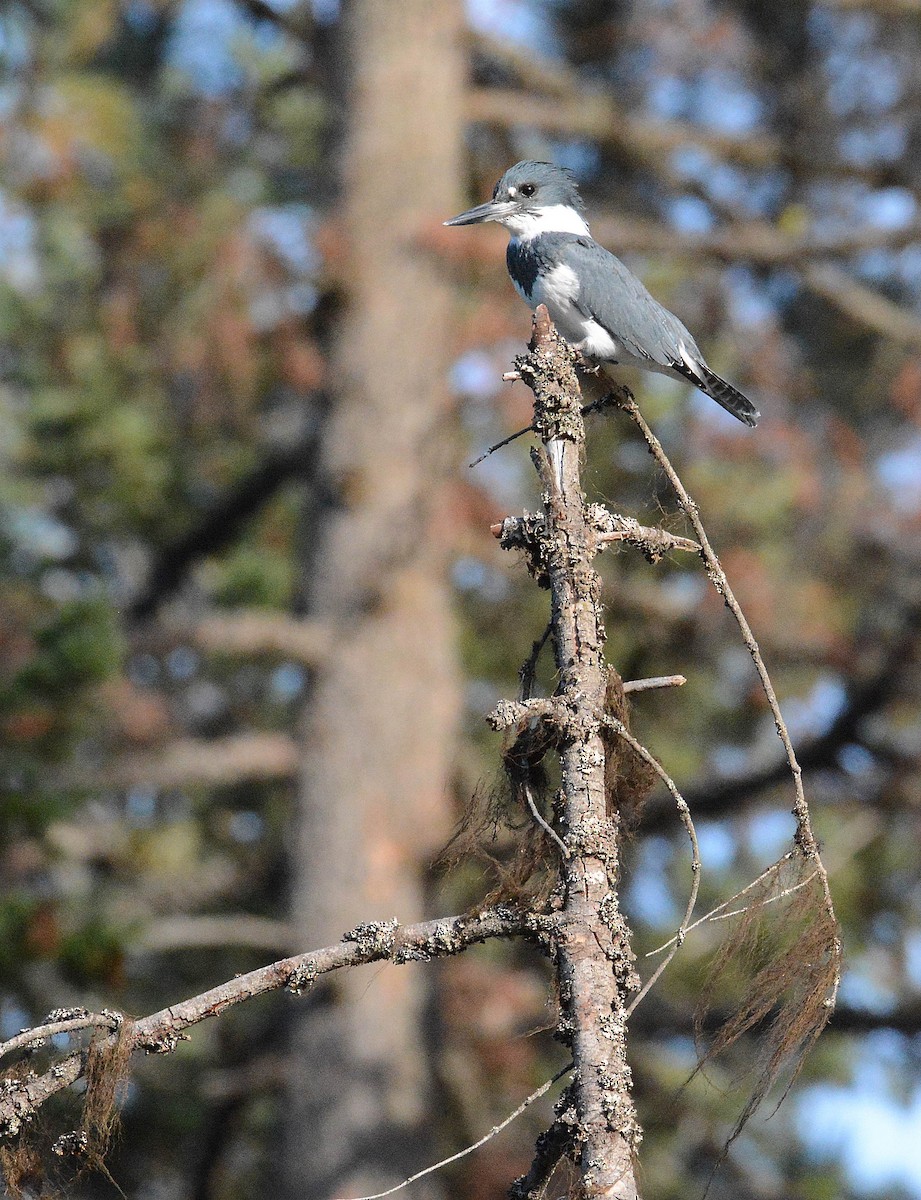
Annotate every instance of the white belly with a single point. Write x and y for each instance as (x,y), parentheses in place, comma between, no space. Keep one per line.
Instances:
(558,289)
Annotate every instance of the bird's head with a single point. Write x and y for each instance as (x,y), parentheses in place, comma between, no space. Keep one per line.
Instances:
(531,198)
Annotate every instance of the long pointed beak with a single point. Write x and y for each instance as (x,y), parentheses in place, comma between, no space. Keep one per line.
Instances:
(492,210)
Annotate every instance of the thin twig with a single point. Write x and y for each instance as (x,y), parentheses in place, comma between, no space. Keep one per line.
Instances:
(804,833)
(781,895)
(684,812)
(604,401)
(545,825)
(526,1103)
(717,914)
(512,437)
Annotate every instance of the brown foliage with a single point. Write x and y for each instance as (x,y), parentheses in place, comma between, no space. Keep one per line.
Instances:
(628,778)
(785,940)
(525,874)
(21,1167)
(106,1068)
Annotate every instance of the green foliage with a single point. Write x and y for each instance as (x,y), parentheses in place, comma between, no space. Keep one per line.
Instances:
(93,956)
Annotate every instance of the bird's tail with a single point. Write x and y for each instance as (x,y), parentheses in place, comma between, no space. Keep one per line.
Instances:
(729,397)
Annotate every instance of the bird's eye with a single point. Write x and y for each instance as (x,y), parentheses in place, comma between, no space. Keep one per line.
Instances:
(527,189)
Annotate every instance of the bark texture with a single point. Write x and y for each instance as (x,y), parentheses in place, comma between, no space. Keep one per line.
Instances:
(594,961)
(378,732)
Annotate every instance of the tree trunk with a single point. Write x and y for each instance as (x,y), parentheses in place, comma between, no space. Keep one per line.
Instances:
(378,731)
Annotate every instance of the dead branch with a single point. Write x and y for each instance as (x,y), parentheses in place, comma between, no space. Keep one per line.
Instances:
(654,542)
(70,1020)
(795,991)
(591,948)
(21,1096)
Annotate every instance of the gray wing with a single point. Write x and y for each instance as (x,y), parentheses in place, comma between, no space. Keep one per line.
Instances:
(617,300)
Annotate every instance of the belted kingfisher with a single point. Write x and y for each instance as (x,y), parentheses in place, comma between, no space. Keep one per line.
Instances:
(599,306)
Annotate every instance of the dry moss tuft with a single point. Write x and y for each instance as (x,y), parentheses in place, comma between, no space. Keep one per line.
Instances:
(21,1167)
(106,1069)
(787,939)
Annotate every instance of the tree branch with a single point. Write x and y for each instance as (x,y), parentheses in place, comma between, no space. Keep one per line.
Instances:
(221,524)
(864,305)
(190,762)
(713,797)
(657,681)
(555,99)
(69,1020)
(21,1098)
(258,633)
(596,115)
(752,241)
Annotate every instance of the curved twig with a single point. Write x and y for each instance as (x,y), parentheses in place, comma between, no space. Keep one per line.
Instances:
(545,825)
(684,812)
(526,1103)
(805,836)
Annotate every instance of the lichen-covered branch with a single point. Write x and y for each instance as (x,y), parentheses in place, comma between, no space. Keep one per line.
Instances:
(591,948)
(23,1094)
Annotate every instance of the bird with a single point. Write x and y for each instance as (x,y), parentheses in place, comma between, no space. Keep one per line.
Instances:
(597,304)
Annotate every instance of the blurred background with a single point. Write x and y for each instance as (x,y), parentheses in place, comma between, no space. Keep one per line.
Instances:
(251,615)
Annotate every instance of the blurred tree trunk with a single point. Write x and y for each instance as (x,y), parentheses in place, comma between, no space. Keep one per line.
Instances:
(378,732)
